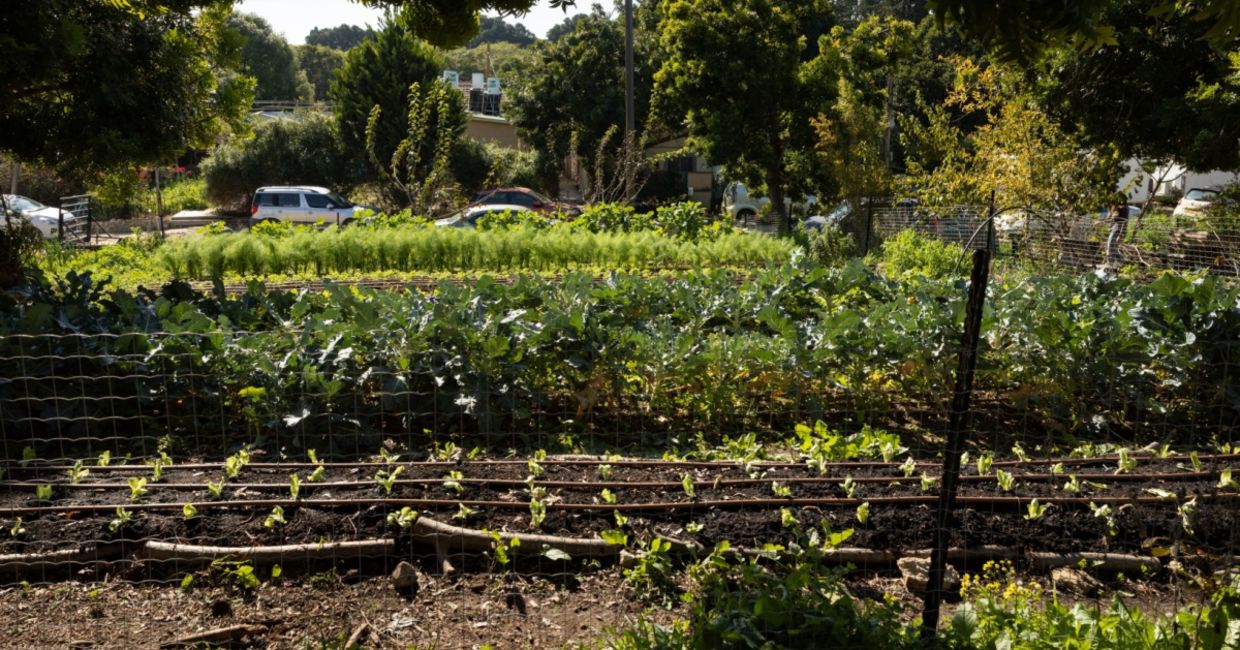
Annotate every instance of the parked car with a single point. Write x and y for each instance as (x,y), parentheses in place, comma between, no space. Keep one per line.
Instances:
(741,205)
(1195,202)
(46,219)
(303,204)
(831,219)
(468,217)
(524,197)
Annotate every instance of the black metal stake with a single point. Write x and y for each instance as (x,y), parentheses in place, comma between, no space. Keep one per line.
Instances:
(869,223)
(959,421)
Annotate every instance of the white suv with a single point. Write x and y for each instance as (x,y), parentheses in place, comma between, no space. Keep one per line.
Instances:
(303,204)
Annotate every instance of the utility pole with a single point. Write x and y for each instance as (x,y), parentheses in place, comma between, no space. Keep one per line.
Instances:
(630,156)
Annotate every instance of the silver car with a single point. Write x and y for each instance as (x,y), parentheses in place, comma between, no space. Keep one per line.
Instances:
(46,219)
(468,218)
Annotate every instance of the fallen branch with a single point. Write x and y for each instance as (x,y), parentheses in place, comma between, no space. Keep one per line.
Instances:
(451,538)
(192,553)
(1110,562)
(230,634)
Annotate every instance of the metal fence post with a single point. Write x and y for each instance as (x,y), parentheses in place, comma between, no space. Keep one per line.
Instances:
(869,224)
(959,421)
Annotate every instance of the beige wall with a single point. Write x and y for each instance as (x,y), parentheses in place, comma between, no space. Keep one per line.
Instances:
(493,129)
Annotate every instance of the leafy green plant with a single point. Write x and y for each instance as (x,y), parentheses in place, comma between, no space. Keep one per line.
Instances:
(849,486)
(318,475)
(1034,510)
(909,467)
(17,529)
(452,482)
(189,511)
(788,519)
(121,519)
(215,488)
(928,481)
(405,517)
(77,473)
(604,472)
(607,496)
(294,486)
(781,490)
(276,518)
(1005,480)
(137,487)
(985,461)
(686,484)
(104,459)
(1226,481)
(1105,513)
(387,479)
(651,579)
(464,512)
(863,513)
(43,492)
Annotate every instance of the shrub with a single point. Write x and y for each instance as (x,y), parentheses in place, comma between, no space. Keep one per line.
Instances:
(187,194)
(910,253)
(613,217)
(829,246)
(686,220)
(304,152)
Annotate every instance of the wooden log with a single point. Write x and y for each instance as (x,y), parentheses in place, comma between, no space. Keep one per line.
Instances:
(193,553)
(1110,562)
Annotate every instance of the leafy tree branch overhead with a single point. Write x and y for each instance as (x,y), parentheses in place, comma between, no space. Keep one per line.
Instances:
(1020,30)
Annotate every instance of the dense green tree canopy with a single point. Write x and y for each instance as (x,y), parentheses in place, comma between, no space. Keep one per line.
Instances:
(1160,91)
(319,63)
(453,22)
(497,30)
(565,27)
(340,37)
(736,69)
(1021,29)
(574,92)
(272,62)
(507,61)
(379,72)
(91,85)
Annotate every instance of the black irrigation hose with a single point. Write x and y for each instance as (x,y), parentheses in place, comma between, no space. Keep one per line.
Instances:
(699,482)
(665,506)
(629,462)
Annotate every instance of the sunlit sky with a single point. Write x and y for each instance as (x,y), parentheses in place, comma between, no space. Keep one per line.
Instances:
(295,18)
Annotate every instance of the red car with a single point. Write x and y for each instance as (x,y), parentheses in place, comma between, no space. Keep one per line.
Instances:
(522,196)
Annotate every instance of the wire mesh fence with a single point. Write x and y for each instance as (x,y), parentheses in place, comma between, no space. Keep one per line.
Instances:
(1141,238)
(533,430)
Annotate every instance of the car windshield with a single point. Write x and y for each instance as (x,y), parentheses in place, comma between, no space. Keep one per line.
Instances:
(1201,195)
(23,204)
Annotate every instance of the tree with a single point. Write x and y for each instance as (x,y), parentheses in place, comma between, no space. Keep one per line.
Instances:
(497,30)
(1177,97)
(86,86)
(565,27)
(319,63)
(308,150)
(340,37)
(1018,153)
(854,141)
(573,94)
(735,70)
(508,61)
(448,23)
(272,62)
(379,72)
(420,167)
(1020,30)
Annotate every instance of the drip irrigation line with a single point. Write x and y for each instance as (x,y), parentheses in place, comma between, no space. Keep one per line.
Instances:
(629,462)
(703,483)
(665,506)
